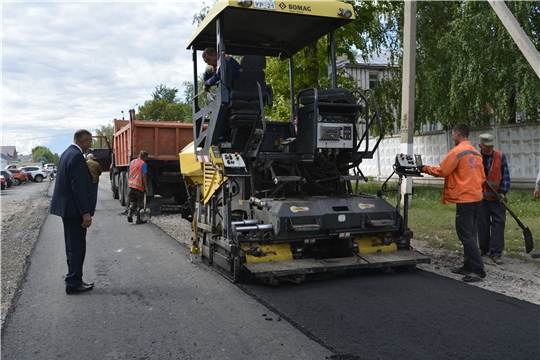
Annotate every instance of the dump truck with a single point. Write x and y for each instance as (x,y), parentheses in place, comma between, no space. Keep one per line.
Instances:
(280,200)
(163,141)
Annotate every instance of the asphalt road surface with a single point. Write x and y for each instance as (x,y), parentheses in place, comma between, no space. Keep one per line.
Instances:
(151,303)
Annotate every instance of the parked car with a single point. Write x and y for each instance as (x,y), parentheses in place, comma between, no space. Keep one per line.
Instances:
(8,176)
(19,176)
(37,173)
(3,181)
(51,168)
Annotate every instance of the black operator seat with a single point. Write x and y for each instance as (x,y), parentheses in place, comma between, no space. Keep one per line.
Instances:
(245,107)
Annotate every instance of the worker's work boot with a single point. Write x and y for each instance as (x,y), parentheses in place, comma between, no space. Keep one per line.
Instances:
(130,216)
(139,221)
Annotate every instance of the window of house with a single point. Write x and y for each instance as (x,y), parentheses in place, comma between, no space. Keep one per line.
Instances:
(373,78)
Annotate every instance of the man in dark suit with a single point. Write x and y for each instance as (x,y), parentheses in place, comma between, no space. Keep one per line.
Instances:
(73,200)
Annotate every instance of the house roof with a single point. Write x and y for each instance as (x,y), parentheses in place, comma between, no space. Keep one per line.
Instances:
(8,158)
(8,150)
(381,59)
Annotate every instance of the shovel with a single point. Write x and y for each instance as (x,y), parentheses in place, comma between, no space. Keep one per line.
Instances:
(529,244)
(145,212)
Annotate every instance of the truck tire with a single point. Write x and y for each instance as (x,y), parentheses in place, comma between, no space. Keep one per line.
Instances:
(121,191)
(126,187)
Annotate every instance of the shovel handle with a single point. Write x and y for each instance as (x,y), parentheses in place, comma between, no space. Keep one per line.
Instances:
(507,208)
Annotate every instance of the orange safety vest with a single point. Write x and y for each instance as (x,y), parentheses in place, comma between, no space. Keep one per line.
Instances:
(494,177)
(135,175)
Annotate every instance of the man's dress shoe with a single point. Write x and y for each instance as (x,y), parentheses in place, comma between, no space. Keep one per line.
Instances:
(87,284)
(79,289)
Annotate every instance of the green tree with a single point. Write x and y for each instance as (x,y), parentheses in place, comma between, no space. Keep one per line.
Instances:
(467,66)
(104,130)
(466,62)
(165,106)
(164,93)
(44,152)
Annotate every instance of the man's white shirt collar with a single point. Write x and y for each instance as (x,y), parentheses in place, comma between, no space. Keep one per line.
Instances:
(77,147)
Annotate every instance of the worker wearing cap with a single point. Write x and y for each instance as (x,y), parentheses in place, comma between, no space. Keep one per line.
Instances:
(95,171)
(137,186)
(492,213)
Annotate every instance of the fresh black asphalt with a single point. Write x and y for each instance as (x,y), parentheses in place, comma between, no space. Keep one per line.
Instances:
(405,315)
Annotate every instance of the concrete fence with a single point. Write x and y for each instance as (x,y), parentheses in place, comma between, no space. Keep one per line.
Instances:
(519,142)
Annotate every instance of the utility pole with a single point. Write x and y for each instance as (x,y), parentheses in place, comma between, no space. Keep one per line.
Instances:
(408,90)
(514,29)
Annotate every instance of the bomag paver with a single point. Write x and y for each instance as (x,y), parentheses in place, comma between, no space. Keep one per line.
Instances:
(278,201)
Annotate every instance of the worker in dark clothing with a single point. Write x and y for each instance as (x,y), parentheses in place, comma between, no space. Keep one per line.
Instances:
(492,213)
(212,77)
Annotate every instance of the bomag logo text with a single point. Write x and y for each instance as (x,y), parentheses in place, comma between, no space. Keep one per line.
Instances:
(294,7)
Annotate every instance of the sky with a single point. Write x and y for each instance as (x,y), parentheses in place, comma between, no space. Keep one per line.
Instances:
(77,65)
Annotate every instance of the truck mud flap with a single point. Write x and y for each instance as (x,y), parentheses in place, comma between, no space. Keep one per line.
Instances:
(283,269)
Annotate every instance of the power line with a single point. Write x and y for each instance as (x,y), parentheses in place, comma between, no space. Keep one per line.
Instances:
(45,137)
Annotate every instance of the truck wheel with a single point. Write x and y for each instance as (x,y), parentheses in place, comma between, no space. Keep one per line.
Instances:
(121,190)
(126,187)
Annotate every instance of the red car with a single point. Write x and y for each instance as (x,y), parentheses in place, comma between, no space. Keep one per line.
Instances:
(19,176)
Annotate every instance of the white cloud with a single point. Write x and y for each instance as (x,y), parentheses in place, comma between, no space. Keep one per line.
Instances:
(71,65)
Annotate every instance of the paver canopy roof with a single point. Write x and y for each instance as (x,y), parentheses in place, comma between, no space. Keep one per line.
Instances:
(282,31)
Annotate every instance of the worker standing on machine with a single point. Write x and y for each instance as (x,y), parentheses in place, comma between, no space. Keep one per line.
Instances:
(212,77)
(464,176)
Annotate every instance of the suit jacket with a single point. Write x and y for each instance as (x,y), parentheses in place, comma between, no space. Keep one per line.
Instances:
(73,196)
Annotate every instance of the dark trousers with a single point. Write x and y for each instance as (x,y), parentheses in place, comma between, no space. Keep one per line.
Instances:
(491,222)
(95,188)
(466,219)
(75,239)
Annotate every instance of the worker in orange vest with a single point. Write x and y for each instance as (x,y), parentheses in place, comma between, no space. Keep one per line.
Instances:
(137,186)
(464,176)
(492,214)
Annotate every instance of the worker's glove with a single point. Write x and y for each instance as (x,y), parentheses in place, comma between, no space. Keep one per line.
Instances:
(206,88)
(421,168)
(501,197)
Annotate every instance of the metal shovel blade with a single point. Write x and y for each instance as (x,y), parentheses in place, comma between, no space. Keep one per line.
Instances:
(529,243)
(145,212)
